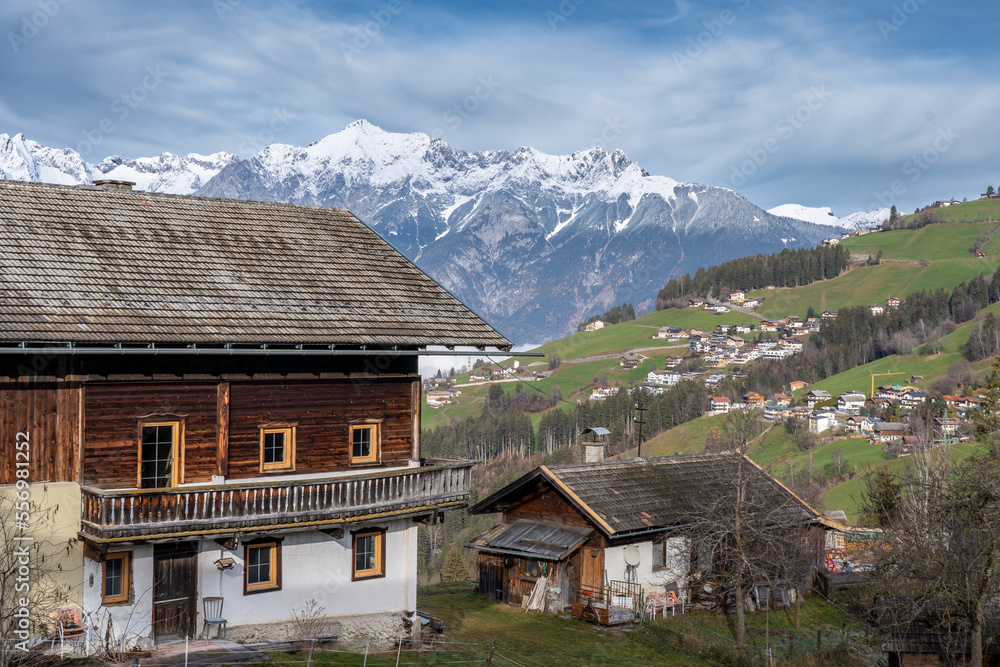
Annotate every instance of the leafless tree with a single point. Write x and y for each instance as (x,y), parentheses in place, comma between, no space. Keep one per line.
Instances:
(747,530)
(939,565)
(30,588)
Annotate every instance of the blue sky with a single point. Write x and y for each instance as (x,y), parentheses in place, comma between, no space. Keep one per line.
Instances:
(843,104)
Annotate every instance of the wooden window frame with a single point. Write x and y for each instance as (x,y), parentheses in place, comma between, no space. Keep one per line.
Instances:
(288,464)
(379,570)
(273,582)
(177,465)
(661,549)
(126,560)
(375,456)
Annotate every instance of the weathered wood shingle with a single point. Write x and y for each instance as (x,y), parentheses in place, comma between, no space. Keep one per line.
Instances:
(622,497)
(113,266)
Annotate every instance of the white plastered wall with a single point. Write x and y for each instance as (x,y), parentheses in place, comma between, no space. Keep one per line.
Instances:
(314,566)
(131,622)
(677,564)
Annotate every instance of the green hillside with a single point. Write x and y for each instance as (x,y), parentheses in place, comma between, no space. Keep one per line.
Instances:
(945,249)
(977,209)
(873,284)
(573,377)
(637,333)
(934,242)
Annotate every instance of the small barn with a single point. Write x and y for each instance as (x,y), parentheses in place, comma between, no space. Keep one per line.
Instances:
(597,537)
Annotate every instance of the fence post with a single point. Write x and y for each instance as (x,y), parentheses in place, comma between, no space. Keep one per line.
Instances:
(489,660)
(309,660)
(791,647)
(819,639)
(399,650)
(846,639)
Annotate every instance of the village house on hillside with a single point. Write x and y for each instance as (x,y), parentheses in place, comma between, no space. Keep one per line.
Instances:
(603,534)
(223,406)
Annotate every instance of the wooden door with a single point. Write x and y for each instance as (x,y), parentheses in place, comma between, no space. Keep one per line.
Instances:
(175,590)
(591,570)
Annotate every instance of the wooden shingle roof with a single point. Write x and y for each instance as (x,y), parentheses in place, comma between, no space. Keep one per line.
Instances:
(622,497)
(90,265)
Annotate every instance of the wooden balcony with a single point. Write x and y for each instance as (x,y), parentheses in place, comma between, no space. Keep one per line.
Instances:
(256,507)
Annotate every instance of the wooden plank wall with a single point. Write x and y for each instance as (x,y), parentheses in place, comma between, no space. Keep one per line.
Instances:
(111,431)
(542,503)
(321,411)
(49,413)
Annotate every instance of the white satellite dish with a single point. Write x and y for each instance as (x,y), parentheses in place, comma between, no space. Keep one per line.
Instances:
(632,555)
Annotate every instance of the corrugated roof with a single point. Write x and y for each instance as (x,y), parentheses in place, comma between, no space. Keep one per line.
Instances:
(93,265)
(533,539)
(644,494)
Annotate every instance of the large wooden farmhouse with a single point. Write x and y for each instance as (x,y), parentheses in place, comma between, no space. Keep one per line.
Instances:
(221,400)
(605,534)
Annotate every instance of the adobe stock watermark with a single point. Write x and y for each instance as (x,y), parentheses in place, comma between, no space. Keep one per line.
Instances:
(366,33)
(20,550)
(916,166)
(223,7)
(899,16)
(33,24)
(562,12)
(254,143)
(613,130)
(784,129)
(455,115)
(697,45)
(121,108)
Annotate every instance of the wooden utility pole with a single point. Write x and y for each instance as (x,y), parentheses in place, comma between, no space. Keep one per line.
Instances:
(641,409)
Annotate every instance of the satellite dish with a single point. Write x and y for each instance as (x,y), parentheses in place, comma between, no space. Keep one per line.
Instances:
(632,555)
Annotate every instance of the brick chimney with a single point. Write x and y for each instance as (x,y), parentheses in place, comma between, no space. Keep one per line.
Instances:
(107,184)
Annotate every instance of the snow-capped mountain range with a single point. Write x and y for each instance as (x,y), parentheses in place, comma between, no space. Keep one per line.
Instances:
(825,216)
(535,243)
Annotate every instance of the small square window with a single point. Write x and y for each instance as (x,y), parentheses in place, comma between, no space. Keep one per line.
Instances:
(115,580)
(369,555)
(365,443)
(277,448)
(262,567)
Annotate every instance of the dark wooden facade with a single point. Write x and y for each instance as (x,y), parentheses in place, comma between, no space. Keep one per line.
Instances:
(224,439)
(84,425)
(510,578)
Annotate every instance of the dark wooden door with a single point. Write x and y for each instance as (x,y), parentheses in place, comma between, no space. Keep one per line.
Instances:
(175,590)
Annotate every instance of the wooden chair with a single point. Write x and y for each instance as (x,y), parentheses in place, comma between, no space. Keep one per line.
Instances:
(213,615)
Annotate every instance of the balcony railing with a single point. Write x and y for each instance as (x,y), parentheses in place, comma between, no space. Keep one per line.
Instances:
(142,514)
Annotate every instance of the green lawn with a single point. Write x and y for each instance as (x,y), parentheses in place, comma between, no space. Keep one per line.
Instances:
(872,284)
(473,624)
(935,242)
(688,438)
(988,209)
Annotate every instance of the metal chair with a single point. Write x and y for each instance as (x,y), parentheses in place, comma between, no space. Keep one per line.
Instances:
(213,615)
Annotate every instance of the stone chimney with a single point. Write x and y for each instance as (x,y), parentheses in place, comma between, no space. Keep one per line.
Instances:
(107,184)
